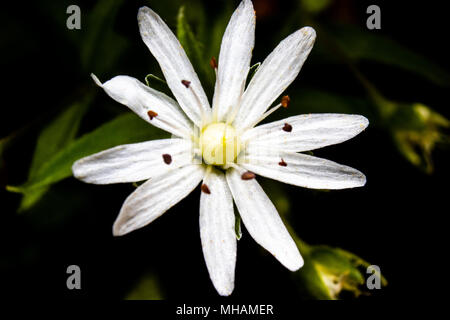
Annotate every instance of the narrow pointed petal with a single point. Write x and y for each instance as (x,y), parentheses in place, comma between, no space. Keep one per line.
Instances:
(150,200)
(262,220)
(302,170)
(141,99)
(275,74)
(174,64)
(217,232)
(306,132)
(134,162)
(234,60)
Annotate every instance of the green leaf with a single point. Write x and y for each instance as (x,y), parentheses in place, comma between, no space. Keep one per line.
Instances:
(147,288)
(127,128)
(31,197)
(57,135)
(100,44)
(360,44)
(310,281)
(417,130)
(194,48)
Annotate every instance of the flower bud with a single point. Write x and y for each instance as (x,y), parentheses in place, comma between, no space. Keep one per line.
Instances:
(416,130)
(329,272)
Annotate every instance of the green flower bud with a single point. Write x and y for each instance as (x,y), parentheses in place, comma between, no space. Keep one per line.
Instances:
(329,272)
(416,130)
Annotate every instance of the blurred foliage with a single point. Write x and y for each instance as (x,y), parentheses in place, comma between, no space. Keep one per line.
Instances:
(99,37)
(416,129)
(414,135)
(417,139)
(360,45)
(315,6)
(147,288)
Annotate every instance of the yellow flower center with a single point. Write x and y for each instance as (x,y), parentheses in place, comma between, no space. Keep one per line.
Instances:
(219,144)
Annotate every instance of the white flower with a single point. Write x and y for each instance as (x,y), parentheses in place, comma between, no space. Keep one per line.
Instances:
(232,149)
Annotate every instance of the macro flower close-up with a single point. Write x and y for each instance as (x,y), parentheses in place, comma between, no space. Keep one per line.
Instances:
(223,158)
(221,146)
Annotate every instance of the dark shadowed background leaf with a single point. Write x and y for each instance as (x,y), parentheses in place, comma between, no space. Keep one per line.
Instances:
(360,45)
(101,45)
(147,288)
(194,48)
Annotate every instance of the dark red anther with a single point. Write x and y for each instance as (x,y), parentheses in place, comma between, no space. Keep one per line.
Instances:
(248,175)
(213,63)
(167,158)
(151,114)
(205,189)
(186,83)
(287,127)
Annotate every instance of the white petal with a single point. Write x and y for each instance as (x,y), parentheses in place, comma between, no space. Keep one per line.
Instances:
(134,162)
(156,196)
(174,64)
(262,220)
(309,131)
(141,99)
(275,74)
(217,232)
(302,170)
(234,60)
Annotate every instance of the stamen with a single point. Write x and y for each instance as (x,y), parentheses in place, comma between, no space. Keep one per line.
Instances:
(151,114)
(167,158)
(205,189)
(282,163)
(284,103)
(186,83)
(163,119)
(287,127)
(213,63)
(248,175)
(233,113)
